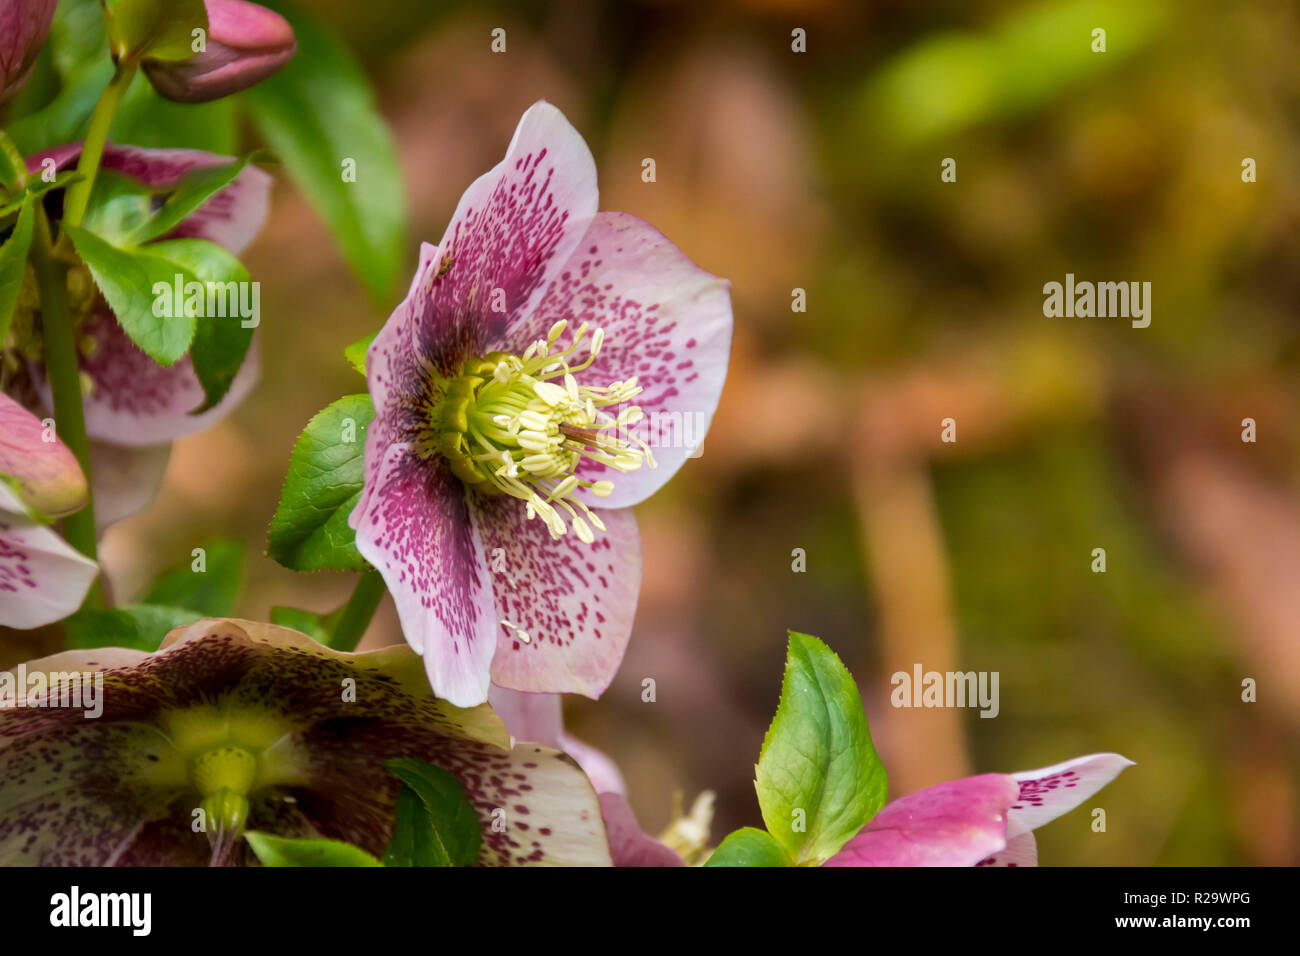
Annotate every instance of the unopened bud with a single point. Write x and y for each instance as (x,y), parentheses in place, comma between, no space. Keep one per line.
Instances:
(245,44)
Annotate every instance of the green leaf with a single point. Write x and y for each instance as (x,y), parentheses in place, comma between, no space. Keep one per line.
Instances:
(138,626)
(449,817)
(310,528)
(66,117)
(13,168)
(194,189)
(819,779)
(222,333)
(414,842)
(147,120)
(128,278)
(212,591)
(316,626)
(318,112)
(356,352)
(154,29)
(118,206)
(13,267)
(39,187)
(749,847)
(283,851)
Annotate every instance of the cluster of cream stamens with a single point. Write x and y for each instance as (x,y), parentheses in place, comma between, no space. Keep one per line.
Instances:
(521,425)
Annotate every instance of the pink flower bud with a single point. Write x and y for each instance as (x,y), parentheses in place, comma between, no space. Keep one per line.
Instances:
(245,44)
(24,25)
(35,466)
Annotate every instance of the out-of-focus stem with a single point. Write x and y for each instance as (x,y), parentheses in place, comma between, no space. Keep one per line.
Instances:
(63,373)
(360,609)
(92,150)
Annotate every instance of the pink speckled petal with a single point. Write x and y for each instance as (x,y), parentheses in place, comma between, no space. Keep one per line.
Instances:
(1021,850)
(539,718)
(667,322)
(514,228)
(395,381)
(953,824)
(44,474)
(231,218)
(629,845)
(575,601)
(416,530)
(596,764)
(536,718)
(1052,791)
(42,577)
(134,401)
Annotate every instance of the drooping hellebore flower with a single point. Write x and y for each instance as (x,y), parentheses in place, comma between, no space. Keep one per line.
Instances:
(506,448)
(539,719)
(259,727)
(978,821)
(42,577)
(245,44)
(134,407)
(24,25)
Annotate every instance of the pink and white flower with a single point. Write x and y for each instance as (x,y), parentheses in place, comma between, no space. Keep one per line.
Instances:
(134,407)
(978,821)
(42,578)
(505,451)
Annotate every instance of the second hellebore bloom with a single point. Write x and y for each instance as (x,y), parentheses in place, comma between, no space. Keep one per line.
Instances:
(987,820)
(134,406)
(110,756)
(24,25)
(245,44)
(506,448)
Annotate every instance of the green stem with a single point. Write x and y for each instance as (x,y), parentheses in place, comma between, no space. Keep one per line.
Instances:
(359,610)
(64,375)
(92,150)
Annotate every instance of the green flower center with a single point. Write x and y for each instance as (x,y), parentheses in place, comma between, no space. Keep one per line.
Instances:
(521,425)
(229,755)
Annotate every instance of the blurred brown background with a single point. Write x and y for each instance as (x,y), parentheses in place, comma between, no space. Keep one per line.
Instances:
(821,171)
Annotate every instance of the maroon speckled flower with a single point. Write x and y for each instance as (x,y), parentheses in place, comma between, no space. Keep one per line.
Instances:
(506,447)
(987,820)
(259,727)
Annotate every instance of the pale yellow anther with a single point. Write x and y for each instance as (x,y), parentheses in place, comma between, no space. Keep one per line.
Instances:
(551,394)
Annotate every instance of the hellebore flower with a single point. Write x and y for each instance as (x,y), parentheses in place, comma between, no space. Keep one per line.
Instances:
(42,577)
(134,407)
(245,44)
(24,25)
(260,727)
(538,719)
(501,388)
(978,821)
